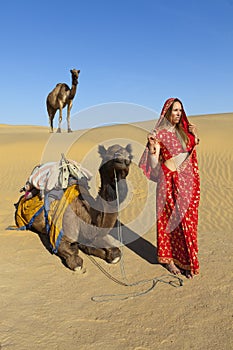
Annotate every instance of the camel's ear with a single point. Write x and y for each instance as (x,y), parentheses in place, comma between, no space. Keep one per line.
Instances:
(129,148)
(102,151)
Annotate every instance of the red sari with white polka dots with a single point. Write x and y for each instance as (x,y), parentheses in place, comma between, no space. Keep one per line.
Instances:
(177,199)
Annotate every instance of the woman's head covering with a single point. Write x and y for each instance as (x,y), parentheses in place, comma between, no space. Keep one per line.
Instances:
(184,120)
(144,162)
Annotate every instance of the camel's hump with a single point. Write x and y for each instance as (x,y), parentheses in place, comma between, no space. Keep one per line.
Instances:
(62,84)
(59,87)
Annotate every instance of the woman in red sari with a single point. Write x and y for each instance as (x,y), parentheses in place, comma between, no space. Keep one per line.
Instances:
(170,160)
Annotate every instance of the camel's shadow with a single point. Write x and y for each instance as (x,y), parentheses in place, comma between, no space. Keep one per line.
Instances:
(139,245)
(44,238)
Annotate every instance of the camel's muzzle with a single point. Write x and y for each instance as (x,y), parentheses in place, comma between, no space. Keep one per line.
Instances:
(122,160)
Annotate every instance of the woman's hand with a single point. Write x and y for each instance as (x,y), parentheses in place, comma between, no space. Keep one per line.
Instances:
(153,143)
(193,130)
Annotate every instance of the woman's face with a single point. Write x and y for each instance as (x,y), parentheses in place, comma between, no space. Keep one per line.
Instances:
(175,113)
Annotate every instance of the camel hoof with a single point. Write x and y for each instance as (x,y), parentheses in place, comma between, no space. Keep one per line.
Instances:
(69,130)
(113,255)
(58,130)
(116,260)
(74,262)
(80,270)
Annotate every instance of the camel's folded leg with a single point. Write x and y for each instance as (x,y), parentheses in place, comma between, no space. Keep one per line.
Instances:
(111,255)
(69,252)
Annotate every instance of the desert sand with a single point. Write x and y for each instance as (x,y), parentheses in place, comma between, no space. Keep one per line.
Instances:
(44,305)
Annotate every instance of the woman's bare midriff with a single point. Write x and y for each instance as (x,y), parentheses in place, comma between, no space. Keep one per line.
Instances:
(173,163)
(170,164)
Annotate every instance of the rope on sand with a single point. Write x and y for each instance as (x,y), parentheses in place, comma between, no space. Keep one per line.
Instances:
(172,280)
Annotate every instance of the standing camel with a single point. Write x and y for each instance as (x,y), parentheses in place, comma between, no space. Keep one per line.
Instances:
(60,97)
(87,222)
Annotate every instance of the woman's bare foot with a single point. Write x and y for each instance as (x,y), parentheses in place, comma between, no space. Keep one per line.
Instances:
(172,268)
(187,273)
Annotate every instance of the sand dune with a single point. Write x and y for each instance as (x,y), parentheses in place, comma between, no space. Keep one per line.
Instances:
(46,306)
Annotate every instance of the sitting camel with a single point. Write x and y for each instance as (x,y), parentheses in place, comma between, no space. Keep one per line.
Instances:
(86,221)
(59,97)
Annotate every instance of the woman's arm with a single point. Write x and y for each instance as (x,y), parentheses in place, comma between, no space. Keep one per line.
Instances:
(154,149)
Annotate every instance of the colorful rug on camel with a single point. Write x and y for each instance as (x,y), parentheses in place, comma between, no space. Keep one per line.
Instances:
(29,209)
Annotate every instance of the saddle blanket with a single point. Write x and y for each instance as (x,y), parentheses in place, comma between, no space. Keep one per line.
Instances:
(28,209)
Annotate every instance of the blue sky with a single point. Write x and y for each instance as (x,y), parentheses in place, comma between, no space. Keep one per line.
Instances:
(131,51)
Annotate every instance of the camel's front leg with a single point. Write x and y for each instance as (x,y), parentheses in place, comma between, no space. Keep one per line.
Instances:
(100,244)
(51,117)
(60,119)
(68,251)
(111,255)
(69,106)
(51,124)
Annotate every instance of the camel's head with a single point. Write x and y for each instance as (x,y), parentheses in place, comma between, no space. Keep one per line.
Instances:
(75,74)
(116,159)
(114,167)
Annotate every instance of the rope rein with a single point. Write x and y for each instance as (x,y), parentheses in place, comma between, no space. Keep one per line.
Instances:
(172,280)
